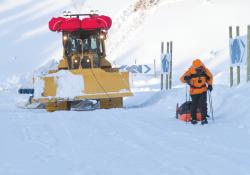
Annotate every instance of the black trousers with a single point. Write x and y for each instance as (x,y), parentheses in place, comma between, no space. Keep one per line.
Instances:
(199,100)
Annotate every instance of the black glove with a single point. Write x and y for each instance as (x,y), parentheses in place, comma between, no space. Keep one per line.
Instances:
(210,88)
(187,79)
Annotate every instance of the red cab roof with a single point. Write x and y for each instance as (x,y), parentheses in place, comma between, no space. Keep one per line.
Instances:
(73,24)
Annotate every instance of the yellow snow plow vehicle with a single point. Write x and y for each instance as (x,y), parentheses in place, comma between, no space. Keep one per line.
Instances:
(85,79)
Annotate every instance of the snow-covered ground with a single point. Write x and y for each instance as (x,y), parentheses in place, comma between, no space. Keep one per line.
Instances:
(144,137)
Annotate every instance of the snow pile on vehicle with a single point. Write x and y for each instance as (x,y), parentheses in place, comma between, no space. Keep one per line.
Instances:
(39,86)
(68,84)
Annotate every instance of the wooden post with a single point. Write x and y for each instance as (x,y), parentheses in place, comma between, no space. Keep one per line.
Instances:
(170,66)
(231,68)
(167,80)
(161,81)
(238,75)
(162,47)
(248,53)
(167,47)
(162,51)
(238,67)
(231,76)
(237,30)
(155,67)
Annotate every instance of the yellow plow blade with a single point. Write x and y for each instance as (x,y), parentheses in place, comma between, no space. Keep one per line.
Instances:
(70,85)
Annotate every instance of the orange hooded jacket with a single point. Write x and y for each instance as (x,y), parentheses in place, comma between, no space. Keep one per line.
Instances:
(199,76)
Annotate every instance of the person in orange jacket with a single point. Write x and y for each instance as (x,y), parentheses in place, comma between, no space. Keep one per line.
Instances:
(200,79)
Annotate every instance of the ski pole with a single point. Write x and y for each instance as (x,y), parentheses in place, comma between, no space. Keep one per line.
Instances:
(186,103)
(211,105)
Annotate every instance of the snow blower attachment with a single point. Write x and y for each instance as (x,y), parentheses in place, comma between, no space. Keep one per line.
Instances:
(183,112)
(85,79)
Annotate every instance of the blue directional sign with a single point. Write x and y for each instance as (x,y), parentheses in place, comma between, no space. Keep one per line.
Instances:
(141,69)
(238,50)
(165,62)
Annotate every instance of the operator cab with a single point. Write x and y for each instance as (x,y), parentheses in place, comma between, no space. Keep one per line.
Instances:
(84,49)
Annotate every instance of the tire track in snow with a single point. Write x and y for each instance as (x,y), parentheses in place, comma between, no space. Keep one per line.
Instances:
(43,137)
(151,100)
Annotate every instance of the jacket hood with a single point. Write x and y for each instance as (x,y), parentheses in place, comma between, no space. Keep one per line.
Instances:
(197,63)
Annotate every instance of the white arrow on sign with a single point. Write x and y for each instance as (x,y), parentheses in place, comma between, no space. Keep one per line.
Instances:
(142,69)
